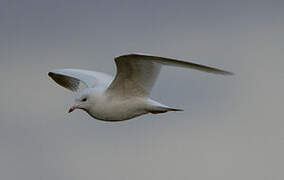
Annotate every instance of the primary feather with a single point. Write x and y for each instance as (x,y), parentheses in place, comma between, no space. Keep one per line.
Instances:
(72,78)
(137,73)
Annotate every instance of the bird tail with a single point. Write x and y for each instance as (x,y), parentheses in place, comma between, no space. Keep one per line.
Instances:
(157,108)
(160,110)
(174,109)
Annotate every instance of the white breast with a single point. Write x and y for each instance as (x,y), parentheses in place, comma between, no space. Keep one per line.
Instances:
(109,108)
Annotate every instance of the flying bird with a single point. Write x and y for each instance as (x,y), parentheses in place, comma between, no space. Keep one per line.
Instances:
(126,95)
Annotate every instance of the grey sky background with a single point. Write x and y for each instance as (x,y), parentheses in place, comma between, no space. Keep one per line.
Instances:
(232,127)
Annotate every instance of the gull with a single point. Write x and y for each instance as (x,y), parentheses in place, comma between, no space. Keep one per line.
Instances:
(126,95)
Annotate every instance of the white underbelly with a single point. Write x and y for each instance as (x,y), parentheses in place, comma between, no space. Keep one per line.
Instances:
(118,110)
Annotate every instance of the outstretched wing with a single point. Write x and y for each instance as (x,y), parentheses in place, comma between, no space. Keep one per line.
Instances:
(72,78)
(136,73)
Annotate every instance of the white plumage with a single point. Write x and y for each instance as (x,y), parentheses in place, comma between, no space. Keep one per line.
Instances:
(127,94)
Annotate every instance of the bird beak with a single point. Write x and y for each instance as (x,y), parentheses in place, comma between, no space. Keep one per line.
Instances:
(73,108)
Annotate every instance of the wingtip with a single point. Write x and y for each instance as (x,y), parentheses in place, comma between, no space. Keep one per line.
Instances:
(53,73)
(228,73)
(133,54)
(50,74)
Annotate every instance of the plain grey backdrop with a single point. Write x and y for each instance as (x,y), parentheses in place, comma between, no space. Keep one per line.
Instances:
(232,126)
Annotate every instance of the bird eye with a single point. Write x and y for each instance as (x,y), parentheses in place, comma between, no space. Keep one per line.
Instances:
(84,100)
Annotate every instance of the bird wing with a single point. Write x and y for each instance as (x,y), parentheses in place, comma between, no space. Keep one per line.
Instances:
(136,73)
(73,78)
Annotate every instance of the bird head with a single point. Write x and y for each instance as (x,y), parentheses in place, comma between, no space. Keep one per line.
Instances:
(82,101)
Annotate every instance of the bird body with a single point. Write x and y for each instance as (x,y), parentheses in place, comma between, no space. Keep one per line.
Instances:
(114,109)
(108,107)
(126,95)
